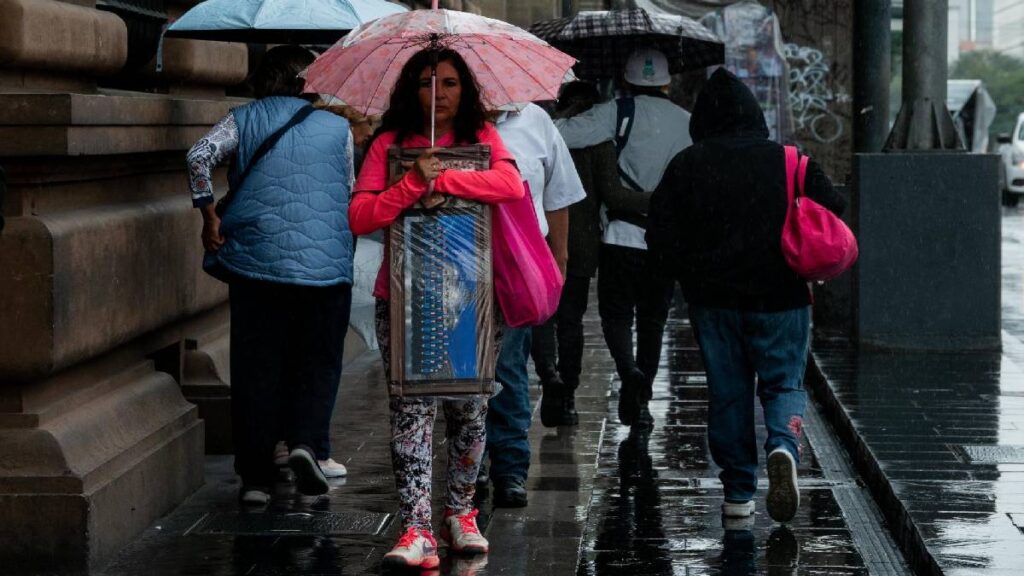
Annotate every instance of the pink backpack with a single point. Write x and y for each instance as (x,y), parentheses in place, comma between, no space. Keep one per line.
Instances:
(817,245)
(527,282)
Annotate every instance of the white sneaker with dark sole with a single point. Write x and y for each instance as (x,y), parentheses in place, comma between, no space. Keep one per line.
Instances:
(309,479)
(783,492)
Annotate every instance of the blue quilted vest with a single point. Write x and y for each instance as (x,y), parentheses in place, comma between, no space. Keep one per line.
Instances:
(288,222)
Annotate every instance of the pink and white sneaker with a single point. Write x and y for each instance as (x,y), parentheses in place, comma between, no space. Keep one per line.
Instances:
(461,534)
(415,548)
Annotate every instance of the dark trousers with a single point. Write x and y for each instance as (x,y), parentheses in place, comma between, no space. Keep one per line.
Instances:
(287,344)
(564,333)
(627,287)
(571,309)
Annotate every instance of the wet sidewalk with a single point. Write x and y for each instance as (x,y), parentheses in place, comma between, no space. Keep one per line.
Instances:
(939,437)
(601,501)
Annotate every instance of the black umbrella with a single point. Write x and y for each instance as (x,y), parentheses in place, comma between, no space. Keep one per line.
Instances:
(603,40)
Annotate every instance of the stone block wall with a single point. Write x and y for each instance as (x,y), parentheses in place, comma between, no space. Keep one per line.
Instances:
(105,315)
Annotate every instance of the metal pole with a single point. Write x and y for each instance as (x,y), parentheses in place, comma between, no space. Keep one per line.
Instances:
(924,122)
(872,73)
(925,35)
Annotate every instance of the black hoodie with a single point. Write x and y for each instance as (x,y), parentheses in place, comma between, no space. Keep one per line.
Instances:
(716,218)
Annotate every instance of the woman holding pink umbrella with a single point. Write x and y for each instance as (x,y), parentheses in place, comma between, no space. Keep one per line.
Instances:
(442,69)
(458,120)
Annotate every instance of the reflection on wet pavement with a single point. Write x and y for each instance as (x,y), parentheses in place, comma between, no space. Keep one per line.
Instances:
(601,501)
(945,435)
(656,503)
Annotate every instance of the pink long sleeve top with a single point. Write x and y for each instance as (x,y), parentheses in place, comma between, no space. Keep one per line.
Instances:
(374,205)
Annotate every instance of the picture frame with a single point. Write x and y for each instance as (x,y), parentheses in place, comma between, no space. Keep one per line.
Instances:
(442,290)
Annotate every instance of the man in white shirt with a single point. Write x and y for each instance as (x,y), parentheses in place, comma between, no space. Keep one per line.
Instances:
(548,170)
(627,284)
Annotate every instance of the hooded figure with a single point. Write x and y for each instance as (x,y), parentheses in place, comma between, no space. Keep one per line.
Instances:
(716,222)
(717,215)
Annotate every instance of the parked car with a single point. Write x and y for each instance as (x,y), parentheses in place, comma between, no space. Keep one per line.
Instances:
(1011,177)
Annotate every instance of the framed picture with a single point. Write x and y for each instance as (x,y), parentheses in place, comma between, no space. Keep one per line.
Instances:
(442,294)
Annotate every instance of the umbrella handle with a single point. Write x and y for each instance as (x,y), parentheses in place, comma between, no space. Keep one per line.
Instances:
(433,102)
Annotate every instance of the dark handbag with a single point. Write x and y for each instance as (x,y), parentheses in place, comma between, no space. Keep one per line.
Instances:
(211,265)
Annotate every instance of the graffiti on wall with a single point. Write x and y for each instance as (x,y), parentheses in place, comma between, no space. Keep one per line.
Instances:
(810,94)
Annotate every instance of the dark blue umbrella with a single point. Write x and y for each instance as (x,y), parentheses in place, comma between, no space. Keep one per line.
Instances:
(278,21)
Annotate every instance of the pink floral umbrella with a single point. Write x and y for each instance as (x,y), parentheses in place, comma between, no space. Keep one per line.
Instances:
(509,64)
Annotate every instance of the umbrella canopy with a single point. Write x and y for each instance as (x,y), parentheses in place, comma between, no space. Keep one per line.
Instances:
(603,40)
(278,21)
(509,64)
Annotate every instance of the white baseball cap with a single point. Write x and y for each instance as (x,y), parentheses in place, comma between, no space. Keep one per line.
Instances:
(647,67)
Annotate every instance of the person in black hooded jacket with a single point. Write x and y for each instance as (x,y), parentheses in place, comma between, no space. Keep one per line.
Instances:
(716,222)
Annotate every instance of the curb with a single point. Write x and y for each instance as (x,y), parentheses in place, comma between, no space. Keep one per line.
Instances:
(900,523)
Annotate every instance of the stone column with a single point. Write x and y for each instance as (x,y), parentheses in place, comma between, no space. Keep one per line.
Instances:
(103,308)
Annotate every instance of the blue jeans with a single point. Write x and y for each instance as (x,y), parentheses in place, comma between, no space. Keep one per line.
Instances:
(742,350)
(508,413)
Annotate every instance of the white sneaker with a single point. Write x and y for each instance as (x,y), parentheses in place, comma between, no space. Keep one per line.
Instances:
(253,496)
(783,492)
(738,509)
(461,534)
(332,469)
(738,523)
(281,454)
(416,547)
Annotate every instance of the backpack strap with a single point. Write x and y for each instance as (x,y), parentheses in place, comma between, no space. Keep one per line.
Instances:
(625,111)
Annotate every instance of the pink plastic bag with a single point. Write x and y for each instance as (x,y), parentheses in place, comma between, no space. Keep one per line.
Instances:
(527,282)
(817,245)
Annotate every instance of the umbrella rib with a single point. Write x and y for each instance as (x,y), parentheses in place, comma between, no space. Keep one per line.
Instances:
(380,80)
(539,81)
(491,70)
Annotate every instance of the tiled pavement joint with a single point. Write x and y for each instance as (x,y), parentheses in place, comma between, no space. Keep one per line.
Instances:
(896,515)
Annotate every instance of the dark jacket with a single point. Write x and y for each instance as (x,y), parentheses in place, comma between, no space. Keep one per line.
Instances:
(716,219)
(596,166)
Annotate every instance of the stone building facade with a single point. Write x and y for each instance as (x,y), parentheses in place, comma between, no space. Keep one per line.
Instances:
(106,321)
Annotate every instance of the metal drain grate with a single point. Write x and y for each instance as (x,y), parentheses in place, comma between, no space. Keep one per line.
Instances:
(296,523)
(991,454)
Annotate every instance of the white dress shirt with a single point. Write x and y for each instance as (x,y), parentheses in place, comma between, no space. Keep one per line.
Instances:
(543,160)
(660,131)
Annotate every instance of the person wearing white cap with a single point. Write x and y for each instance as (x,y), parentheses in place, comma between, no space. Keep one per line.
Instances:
(648,131)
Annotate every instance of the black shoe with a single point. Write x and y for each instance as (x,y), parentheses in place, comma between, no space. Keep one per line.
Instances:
(309,478)
(644,421)
(629,396)
(552,403)
(569,415)
(510,493)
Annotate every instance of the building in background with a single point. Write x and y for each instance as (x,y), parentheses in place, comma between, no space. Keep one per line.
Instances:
(1008,36)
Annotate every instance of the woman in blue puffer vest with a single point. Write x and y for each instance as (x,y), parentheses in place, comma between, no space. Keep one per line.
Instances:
(284,245)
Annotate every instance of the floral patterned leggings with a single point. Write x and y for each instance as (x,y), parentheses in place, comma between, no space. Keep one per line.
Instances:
(412,432)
